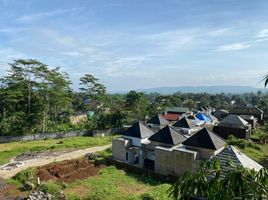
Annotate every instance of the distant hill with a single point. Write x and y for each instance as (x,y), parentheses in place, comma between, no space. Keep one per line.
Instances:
(199,89)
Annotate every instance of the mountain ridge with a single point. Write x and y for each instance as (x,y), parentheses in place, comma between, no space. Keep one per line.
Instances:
(216,89)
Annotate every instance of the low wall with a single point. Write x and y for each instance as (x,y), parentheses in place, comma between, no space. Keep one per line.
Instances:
(141,171)
(43,136)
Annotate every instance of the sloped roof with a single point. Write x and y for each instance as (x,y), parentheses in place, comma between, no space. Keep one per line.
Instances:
(205,139)
(220,114)
(184,123)
(171,116)
(168,135)
(230,153)
(234,121)
(178,109)
(158,119)
(138,130)
(202,117)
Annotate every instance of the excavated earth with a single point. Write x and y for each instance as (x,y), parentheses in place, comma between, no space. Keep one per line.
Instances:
(68,171)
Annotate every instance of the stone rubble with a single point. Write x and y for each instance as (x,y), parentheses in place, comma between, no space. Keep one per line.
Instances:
(39,195)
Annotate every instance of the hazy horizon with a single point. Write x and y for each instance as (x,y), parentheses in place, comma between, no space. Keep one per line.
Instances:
(141,44)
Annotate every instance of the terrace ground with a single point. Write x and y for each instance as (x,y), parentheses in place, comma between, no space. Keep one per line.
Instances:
(93,180)
(10,150)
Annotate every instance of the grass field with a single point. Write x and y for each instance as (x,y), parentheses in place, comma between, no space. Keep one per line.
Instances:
(10,150)
(115,184)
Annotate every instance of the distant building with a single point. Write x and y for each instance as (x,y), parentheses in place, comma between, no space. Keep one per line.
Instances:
(173,114)
(250,119)
(233,125)
(220,114)
(186,126)
(78,118)
(248,110)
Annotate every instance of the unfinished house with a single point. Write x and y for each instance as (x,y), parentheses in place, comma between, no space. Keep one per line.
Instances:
(167,138)
(157,122)
(233,125)
(186,126)
(205,143)
(251,120)
(128,148)
(166,152)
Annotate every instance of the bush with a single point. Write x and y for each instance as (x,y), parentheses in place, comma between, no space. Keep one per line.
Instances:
(241,143)
(51,188)
(24,177)
(150,196)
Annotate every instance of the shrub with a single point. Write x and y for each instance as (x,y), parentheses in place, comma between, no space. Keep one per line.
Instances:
(241,143)
(25,176)
(150,196)
(51,188)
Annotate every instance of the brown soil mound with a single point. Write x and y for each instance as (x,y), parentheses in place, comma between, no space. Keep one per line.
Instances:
(68,171)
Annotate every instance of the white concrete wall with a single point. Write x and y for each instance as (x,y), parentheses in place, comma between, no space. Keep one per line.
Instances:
(119,148)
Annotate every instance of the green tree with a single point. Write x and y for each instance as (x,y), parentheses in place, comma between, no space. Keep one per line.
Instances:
(137,104)
(211,182)
(94,90)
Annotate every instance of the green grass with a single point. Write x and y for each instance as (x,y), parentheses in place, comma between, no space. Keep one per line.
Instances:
(261,156)
(10,150)
(115,184)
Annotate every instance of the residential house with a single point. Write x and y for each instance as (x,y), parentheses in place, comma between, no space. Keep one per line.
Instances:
(220,114)
(157,122)
(251,120)
(175,113)
(186,126)
(233,125)
(248,110)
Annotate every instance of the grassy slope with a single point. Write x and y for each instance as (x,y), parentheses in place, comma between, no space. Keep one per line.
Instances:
(9,150)
(260,156)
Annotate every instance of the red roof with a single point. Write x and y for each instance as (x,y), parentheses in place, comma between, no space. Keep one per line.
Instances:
(171,116)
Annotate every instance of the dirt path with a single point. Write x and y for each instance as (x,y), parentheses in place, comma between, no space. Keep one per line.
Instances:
(40,161)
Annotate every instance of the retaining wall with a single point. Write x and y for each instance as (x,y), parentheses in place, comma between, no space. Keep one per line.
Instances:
(43,136)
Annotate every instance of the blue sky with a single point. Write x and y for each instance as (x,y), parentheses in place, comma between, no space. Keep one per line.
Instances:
(130,44)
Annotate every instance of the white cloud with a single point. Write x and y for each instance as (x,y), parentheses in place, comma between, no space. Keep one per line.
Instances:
(218,32)
(262,34)
(234,46)
(36,16)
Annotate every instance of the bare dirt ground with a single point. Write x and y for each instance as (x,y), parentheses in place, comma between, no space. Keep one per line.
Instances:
(68,171)
(8,192)
(24,161)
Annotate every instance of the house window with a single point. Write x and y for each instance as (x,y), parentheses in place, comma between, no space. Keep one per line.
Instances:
(126,156)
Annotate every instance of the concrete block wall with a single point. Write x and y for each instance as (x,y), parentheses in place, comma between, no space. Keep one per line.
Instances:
(174,161)
(119,148)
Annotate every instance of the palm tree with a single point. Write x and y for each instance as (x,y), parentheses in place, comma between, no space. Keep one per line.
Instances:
(265,79)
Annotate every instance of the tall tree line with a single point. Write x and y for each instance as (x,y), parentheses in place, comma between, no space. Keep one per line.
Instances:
(35,98)
(32,96)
